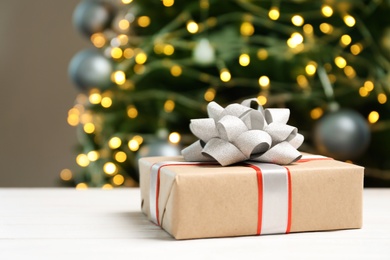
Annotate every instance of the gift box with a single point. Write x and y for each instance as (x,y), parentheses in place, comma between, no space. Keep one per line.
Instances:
(200,200)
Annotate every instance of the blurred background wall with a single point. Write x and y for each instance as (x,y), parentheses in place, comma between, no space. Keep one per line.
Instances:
(37,41)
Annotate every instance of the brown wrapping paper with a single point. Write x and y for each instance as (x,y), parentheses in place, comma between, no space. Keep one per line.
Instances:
(215,201)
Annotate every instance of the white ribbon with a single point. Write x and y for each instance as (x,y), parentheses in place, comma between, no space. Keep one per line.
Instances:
(239,133)
(274,208)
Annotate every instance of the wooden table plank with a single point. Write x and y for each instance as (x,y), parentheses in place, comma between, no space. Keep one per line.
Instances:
(107,224)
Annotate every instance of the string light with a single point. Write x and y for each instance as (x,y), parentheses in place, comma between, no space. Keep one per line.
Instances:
(106,102)
(168,3)
(73,117)
(316,113)
(356,48)
(302,81)
(124,24)
(120,156)
(349,20)
(115,142)
(247,29)
(225,75)
(264,82)
(82,160)
(89,128)
(139,69)
(308,29)
(110,168)
(262,100)
(95,98)
(144,21)
(340,62)
(345,39)
(119,77)
(349,72)
(369,85)
(327,11)
(138,139)
(297,20)
(262,54)
(168,49)
(116,53)
(169,105)
(81,186)
(93,156)
(107,186)
(209,95)
(192,27)
(123,39)
(141,58)
(295,39)
(66,175)
(373,117)
(363,92)
(326,28)
(176,70)
(133,145)
(174,137)
(98,40)
(311,68)
(127,1)
(128,53)
(274,13)
(118,180)
(382,98)
(244,59)
(132,111)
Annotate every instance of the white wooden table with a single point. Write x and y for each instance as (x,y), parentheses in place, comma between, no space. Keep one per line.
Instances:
(107,224)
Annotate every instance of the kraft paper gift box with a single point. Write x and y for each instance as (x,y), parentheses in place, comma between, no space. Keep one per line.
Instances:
(201,201)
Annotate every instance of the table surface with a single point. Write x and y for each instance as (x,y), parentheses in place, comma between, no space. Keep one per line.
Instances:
(65,223)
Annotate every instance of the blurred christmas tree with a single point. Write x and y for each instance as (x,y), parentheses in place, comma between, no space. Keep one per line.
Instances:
(156,64)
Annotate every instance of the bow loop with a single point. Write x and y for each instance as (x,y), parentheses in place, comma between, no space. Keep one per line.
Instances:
(240,133)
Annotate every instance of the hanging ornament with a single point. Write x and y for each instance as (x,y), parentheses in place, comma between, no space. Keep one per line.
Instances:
(159,148)
(89,68)
(91,16)
(342,135)
(204,52)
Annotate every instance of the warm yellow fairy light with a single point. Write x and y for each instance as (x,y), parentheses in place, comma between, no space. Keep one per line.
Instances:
(244,59)
(139,139)
(95,98)
(81,186)
(66,175)
(311,68)
(262,100)
(73,119)
(316,113)
(332,78)
(264,81)
(169,106)
(192,27)
(302,81)
(327,11)
(110,168)
(369,85)
(168,49)
(349,72)
(120,156)
(141,58)
(128,53)
(308,29)
(373,117)
(124,24)
(85,118)
(144,21)
(116,53)
(132,111)
(158,48)
(345,39)
(340,62)
(262,54)
(93,156)
(118,180)
(349,20)
(326,28)
(115,142)
(127,1)
(98,40)
(82,160)
(107,186)
(89,128)
(139,69)
(297,20)
(225,75)
(133,145)
(123,39)
(176,70)
(247,29)
(295,39)
(274,13)
(174,137)
(363,92)
(356,48)
(119,77)
(168,3)
(382,98)
(209,95)
(106,102)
